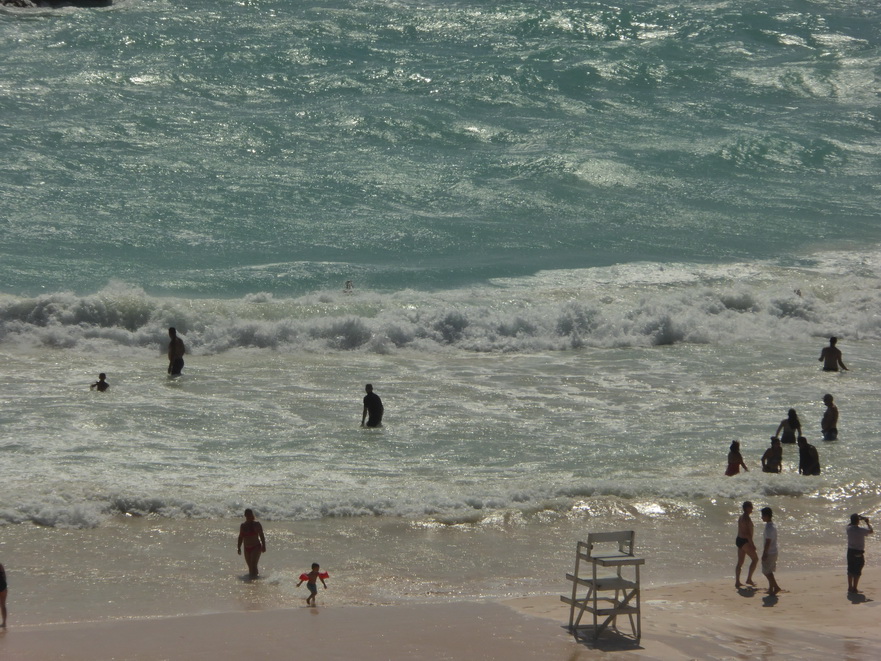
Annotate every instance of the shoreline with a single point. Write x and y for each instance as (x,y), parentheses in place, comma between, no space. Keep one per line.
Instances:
(813,619)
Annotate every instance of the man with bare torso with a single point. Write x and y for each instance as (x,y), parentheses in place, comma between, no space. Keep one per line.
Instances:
(745,546)
(831,357)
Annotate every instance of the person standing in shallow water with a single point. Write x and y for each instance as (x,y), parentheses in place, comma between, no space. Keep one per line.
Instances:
(831,357)
(176,352)
(373,409)
(790,426)
(252,538)
(101,384)
(808,458)
(735,459)
(772,460)
(829,423)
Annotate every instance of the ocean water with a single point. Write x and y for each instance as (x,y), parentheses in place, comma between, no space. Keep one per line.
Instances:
(590,245)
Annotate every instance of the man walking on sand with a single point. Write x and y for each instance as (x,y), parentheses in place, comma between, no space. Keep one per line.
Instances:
(769,552)
(745,546)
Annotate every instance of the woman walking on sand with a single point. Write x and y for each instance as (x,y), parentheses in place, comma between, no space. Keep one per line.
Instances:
(251,536)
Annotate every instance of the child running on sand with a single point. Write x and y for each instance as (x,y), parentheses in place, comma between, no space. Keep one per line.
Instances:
(310,579)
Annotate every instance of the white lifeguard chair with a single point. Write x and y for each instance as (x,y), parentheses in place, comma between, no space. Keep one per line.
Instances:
(609,596)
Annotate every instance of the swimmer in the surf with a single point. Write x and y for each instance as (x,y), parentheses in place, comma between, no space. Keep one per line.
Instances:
(829,423)
(101,384)
(311,578)
(790,426)
(831,357)
(350,288)
(251,536)
(745,546)
(772,460)
(176,352)
(373,408)
(735,459)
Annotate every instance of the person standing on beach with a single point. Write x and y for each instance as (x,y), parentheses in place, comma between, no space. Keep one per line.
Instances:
(251,536)
(790,426)
(770,551)
(101,384)
(176,352)
(829,423)
(373,408)
(3,592)
(735,459)
(808,458)
(856,549)
(745,546)
(831,357)
(772,460)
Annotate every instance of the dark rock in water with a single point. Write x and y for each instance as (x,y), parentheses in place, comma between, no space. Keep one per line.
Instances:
(56,3)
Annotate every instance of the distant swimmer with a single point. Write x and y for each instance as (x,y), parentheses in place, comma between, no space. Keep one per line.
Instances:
(831,357)
(373,408)
(735,459)
(808,458)
(350,288)
(772,460)
(829,423)
(790,426)
(251,536)
(176,352)
(101,384)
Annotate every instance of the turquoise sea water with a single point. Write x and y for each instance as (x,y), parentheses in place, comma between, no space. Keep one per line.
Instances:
(590,244)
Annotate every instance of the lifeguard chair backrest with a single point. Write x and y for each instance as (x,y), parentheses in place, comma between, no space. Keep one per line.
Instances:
(623,538)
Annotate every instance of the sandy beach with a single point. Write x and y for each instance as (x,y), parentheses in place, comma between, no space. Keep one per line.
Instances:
(813,619)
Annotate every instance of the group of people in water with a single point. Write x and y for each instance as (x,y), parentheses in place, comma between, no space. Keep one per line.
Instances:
(789,430)
(371,414)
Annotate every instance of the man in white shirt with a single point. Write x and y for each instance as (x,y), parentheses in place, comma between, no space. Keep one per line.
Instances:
(856,547)
(769,552)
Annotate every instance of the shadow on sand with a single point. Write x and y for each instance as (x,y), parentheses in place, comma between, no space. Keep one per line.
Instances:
(609,640)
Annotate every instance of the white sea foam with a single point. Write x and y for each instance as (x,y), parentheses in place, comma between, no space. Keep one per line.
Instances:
(624,306)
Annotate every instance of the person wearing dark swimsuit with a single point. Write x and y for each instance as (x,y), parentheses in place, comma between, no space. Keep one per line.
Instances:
(251,537)
(3,593)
